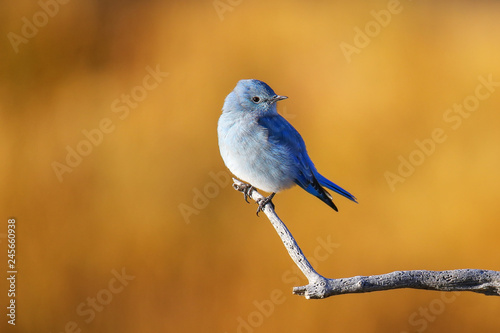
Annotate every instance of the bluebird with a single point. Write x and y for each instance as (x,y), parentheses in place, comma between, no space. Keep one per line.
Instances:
(262,148)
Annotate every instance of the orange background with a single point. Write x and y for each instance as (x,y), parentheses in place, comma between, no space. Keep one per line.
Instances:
(222,269)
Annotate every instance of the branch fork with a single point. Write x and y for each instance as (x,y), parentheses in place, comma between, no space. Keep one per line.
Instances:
(481,281)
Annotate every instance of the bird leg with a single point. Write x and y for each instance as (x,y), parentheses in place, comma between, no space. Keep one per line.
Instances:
(265,201)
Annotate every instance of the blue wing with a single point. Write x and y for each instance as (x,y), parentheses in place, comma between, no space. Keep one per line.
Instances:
(282,133)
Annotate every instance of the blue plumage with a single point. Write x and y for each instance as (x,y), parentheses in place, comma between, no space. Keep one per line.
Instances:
(262,148)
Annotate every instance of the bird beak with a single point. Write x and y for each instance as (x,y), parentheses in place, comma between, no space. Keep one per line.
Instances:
(279,98)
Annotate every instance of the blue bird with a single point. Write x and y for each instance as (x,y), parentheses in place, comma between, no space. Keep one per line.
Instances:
(262,148)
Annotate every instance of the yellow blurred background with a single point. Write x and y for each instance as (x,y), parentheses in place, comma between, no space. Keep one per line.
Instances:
(126,221)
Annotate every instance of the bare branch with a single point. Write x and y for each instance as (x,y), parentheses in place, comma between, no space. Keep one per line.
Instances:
(476,280)
(290,244)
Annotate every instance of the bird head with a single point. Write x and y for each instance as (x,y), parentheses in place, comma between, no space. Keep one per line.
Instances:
(252,96)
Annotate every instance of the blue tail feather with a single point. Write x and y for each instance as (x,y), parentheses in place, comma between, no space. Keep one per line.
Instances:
(334,187)
(315,189)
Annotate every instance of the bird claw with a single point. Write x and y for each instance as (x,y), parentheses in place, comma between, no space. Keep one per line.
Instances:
(263,202)
(247,190)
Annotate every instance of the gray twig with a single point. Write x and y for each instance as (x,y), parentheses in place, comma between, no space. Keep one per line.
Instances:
(477,280)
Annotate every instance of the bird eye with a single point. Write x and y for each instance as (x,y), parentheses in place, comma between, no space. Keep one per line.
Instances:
(256,99)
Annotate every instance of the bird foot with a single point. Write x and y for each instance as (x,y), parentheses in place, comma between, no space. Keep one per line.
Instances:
(263,202)
(246,189)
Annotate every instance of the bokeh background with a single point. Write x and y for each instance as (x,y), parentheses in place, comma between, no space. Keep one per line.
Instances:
(144,200)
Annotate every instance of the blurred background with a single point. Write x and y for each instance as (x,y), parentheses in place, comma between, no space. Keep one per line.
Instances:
(126,219)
